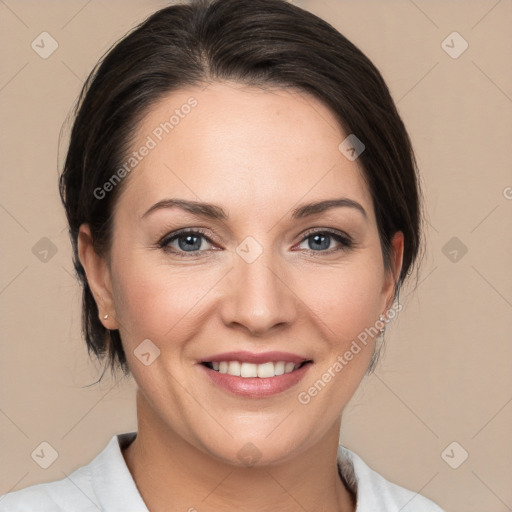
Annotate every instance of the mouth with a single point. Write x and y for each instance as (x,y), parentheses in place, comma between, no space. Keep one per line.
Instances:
(253,375)
(248,370)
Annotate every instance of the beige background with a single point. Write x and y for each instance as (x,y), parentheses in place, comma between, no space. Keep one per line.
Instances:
(446,374)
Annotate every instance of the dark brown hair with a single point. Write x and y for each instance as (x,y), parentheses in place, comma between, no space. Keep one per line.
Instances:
(265,43)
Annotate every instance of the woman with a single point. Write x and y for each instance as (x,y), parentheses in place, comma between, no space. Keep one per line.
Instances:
(243,207)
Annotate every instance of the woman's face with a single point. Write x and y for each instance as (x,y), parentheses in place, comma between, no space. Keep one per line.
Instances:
(250,284)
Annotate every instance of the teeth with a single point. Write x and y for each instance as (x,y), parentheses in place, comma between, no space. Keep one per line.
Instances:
(279,367)
(265,370)
(249,370)
(234,368)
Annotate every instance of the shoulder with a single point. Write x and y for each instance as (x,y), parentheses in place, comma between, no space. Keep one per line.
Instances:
(374,492)
(103,484)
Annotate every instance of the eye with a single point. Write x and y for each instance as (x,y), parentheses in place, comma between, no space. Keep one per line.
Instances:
(186,241)
(322,240)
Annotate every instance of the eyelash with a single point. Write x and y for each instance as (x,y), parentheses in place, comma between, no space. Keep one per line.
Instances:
(345,241)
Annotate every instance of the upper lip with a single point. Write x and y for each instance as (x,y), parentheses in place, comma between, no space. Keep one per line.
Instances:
(256,358)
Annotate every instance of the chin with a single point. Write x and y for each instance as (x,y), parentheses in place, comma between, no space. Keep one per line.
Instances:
(260,449)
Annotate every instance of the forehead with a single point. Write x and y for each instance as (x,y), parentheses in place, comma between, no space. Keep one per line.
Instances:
(241,147)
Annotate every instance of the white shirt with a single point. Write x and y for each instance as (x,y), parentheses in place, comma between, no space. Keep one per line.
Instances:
(106,485)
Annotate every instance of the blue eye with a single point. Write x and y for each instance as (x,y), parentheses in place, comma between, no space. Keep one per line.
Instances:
(191,241)
(188,241)
(322,240)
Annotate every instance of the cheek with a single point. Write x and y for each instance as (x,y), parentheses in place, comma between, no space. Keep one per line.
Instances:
(347,307)
(155,301)
(346,299)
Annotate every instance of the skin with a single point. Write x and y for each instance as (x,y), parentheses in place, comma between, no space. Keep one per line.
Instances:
(258,154)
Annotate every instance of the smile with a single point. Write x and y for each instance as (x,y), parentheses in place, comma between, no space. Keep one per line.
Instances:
(248,370)
(255,375)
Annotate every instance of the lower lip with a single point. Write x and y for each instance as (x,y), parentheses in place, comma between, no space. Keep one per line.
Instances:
(256,387)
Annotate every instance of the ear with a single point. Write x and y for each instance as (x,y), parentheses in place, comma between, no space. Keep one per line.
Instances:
(98,277)
(392,274)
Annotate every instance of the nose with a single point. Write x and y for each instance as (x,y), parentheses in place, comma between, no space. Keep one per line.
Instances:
(258,296)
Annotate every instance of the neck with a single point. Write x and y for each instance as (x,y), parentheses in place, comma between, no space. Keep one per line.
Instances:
(173,475)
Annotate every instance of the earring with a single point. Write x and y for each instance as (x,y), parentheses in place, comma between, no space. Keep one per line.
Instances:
(105,316)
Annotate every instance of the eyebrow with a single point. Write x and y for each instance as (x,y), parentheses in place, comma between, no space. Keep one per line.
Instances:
(213,211)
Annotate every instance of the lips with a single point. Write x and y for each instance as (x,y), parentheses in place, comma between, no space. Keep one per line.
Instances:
(255,374)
